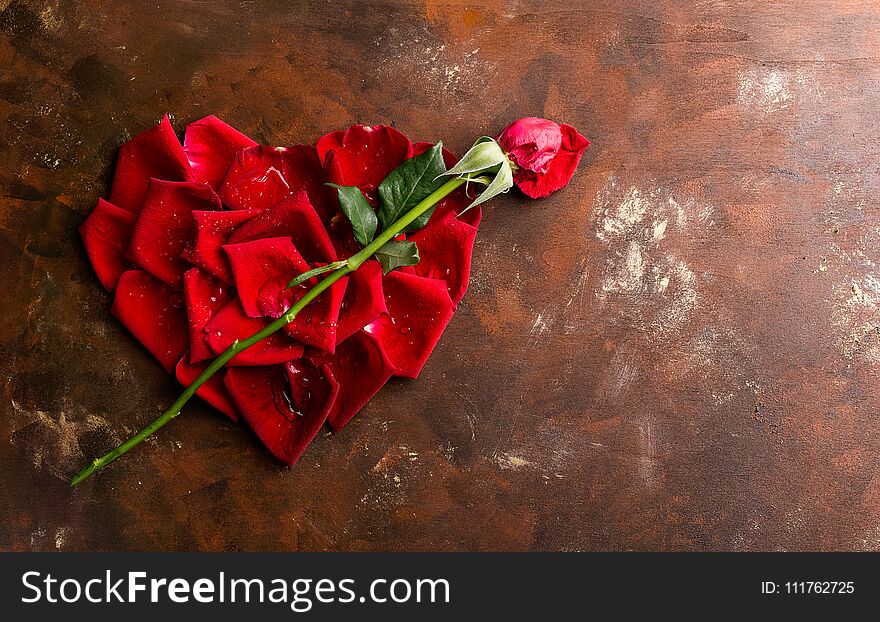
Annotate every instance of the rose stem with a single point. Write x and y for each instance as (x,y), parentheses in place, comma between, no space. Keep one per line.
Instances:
(350,265)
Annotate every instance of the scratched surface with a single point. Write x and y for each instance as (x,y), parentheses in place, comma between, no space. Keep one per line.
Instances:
(679,351)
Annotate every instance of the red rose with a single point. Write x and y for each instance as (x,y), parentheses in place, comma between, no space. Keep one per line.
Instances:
(545,154)
(198,241)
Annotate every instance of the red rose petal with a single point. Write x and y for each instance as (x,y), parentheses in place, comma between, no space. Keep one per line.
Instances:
(363,156)
(285,406)
(532,143)
(210,146)
(105,234)
(211,231)
(292,217)
(418,311)
(445,247)
(230,324)
(153,312)
(361,368)
(263,268)
(204,296)
(317,323)
(165,226)
(456,203)
(261,176)
(560,170)
(363,301)
(155,153)
(213,391)
(342,235)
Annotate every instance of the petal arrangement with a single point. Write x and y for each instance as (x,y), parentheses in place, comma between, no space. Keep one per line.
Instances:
(215,250)
(198,241)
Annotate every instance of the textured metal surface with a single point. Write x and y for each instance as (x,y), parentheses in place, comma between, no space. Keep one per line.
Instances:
(679,351)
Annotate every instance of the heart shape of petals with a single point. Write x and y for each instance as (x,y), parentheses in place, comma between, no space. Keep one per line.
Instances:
(198,241)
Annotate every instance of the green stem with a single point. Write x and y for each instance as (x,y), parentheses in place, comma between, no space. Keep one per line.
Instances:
(403,222)
(352,264)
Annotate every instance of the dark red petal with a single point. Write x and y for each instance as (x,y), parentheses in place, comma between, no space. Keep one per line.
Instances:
(361,368)
(456,203)
(292,217)
(363,301)
(261,176)
(210,146)
(153,312)
(105,234)
(362,155)
(213,391)
(155,153)
(561,169)
(342,235)
(261,269)
(230,323)
(255,180)
(285,406)
(317,323)
(165,227)
(204,296)
(445,247)
(211,231)
(418,311)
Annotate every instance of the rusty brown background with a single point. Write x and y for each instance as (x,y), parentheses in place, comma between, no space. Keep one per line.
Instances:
(679,351)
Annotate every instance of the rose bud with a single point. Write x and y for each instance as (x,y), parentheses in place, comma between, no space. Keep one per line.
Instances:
(544,153)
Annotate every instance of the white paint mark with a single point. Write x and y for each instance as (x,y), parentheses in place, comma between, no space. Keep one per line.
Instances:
(659,230)
(540,326)
(408,453)
(855,312)
(50,19)
(510,462)
(52,439)
(628,272)
(648,453)
(870,542)
(621,374)
(577,291)
(618,218)
(767,90)
(658,289)
(60,535)
(438,68)
(37,537)
(764,89)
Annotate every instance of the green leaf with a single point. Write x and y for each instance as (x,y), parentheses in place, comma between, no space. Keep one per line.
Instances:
(397,253)
(483,157)
(359,211)
(485,163)
(408,184)
(502,182)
